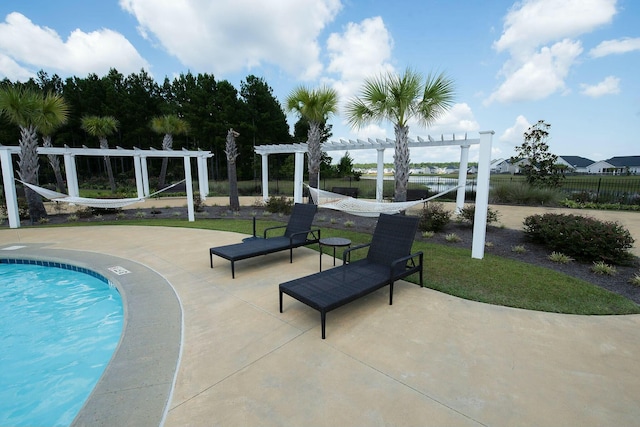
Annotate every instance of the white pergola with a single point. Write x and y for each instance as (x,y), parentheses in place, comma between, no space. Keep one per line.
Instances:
(482,191)
(139,161)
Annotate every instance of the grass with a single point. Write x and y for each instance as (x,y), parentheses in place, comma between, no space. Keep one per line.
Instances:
(492,280)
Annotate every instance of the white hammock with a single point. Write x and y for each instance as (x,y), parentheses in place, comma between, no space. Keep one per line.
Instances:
(85,201)
(353,206)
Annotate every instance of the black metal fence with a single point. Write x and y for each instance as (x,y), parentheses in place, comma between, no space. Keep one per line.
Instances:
(597,189)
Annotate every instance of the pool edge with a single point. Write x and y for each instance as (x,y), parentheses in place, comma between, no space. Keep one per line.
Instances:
(136,386)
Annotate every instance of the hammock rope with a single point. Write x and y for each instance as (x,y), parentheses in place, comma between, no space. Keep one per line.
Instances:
(94,203)
(367,208)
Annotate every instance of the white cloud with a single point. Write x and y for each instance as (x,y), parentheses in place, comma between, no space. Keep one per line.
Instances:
(11,70)
(459,118)
(610,85)
(610,47)
(532,23)
(515,134)
(372,130)
(539,76)
(538,34)
(31,46)
(232,35)
(362,50)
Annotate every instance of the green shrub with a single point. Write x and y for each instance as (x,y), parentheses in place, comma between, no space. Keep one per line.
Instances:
(603,269)
(280,204)
(434,217)
(559,257)
(468,212)
(583,238)
(452,238)
(518,249)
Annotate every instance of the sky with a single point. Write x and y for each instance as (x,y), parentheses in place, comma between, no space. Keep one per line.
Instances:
(572,63)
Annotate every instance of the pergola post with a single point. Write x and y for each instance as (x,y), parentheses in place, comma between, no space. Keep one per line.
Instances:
(462,177)
(299,176)
(189,185)
(265,177)
(380,175)
(203,177)
(145,175)
(137,167)
(9,188)
(482,195)
(72,175)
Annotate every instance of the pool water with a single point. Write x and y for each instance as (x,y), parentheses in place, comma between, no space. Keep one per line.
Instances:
(58,331)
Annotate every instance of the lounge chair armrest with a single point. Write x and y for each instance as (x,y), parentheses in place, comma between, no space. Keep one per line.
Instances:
(415,260)
(273,228)
(346,255)
(315,233)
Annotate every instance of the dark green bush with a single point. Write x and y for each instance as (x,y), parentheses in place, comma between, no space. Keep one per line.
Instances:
(583,238)
(280,204)
(468,212)
(434,217)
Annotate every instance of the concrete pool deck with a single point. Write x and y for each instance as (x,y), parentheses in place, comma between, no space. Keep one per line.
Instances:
(430,359)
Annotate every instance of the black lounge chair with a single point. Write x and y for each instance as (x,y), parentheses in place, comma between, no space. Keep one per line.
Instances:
(389,258)
(298,232)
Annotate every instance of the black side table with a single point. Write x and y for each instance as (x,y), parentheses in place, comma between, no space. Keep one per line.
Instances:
(334,242)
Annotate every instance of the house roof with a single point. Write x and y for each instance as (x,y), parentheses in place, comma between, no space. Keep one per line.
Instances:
(577,161)
(622,161)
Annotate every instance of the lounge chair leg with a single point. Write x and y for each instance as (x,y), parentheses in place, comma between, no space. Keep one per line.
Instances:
(323,319)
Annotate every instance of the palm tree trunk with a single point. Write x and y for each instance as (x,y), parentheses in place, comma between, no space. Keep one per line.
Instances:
(28,171)
(231,150)
(167,144)
(401,163)
(55,165)
(314,153)
(107,163)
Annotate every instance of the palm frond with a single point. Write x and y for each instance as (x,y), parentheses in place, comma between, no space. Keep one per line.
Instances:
(20,105)
(100,126)
(316,105)
(438,97)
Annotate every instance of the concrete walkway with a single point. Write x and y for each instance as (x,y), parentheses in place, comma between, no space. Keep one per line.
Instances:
(429,360)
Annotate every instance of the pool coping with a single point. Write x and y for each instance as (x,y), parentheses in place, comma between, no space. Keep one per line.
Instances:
(136,386)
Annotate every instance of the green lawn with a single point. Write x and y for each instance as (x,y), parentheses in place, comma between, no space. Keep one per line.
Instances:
(492,280)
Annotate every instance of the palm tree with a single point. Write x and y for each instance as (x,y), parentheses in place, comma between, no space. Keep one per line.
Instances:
(168,125)
(54,114)
(28,109)
(231,150)
(316,106)
(101,127)
(399,99)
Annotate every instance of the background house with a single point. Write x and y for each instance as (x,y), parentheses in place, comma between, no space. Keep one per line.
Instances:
(623,165)
(575,164)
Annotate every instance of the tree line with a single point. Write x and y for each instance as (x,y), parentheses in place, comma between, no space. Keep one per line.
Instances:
(210,107)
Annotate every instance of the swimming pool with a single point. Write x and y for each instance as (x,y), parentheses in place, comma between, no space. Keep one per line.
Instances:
(59,326)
